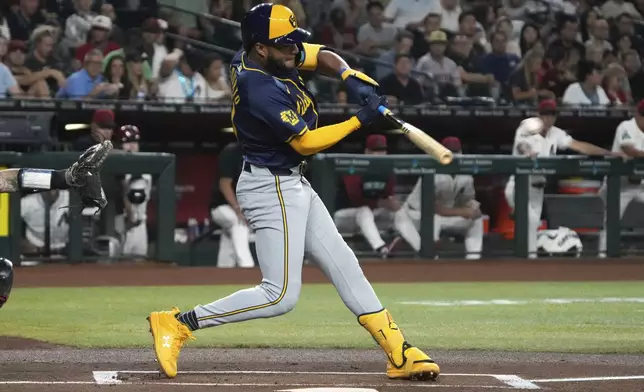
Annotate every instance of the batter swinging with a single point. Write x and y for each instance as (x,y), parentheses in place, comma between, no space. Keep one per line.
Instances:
(275,120)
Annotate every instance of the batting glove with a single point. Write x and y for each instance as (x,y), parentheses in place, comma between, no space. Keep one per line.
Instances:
(370,111)
(359,84)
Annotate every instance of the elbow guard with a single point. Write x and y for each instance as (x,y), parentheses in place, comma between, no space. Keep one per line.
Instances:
(308,57)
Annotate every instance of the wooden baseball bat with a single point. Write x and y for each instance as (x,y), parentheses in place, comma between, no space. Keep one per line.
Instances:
(420,138)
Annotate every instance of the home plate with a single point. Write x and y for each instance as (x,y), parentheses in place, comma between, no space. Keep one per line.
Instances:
(328,390)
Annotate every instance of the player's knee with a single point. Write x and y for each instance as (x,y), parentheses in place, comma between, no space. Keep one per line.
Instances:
(283,299)
(364,212)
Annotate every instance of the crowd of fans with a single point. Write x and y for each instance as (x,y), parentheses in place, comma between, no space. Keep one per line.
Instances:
(517,51)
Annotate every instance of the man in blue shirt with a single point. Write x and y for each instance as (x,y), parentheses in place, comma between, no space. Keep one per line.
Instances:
(88,83)
(499,62)
(8,85)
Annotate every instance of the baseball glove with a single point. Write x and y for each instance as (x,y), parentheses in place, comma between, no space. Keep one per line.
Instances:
(84,177)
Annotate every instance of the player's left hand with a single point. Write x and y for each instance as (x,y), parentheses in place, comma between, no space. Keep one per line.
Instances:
(359,84)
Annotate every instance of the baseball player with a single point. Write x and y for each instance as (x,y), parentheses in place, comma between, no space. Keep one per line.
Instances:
(225,210)
(456,209)
(276,123)
(370,198)
(629,140)
(132,223)
(538,137)
(33,209)
(6,280)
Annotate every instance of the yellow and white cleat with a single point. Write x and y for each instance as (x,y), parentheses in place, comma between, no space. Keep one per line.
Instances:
(169,336)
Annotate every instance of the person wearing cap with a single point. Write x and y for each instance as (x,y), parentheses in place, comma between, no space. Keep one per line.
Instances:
(456,209)
(539,137)
(88,83)
(101,128)
(367,201)
(16,62)
(628,140)
(443,71)
(116,33)
(98,38)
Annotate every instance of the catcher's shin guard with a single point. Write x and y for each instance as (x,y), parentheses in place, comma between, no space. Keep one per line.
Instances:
(405,361)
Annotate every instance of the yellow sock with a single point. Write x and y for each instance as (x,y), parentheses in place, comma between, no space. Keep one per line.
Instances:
(386,332)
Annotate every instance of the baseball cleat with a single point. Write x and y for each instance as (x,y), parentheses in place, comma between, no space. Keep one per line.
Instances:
(417,366)
(169,336)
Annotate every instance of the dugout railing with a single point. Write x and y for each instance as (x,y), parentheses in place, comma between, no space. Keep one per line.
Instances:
(326,169)
(161,166)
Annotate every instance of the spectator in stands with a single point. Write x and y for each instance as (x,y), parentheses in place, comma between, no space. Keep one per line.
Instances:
(4,45)
(217,88)
(376,36)
(15,60)
(88,83)
(41,62)
(400,84)
(499,62)
(432,22)
(341,97)
(403,44)
(505,26)
(24,19)
(449,10)
(116,33)
(98,38)
(368,199)
(116,73)
(5,32)
(407,14)
(599,34)
(613,83)
(613,8)
(234,250)
(623,43)
(179,80)
(633,66)
(443,71)
(467,26)
(587,19)
(588,90)
(558,77)
(595,54)
(219,33)
(524,84)
(530,36)
(33,209)
(77,25)
(336,33)
(154,43)
(626,26)
(462,52)
(354,10)
(143,87)
(8,85)
(567,40)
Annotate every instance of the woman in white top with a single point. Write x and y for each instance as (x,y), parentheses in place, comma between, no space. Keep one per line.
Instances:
(589,90)
(217,88)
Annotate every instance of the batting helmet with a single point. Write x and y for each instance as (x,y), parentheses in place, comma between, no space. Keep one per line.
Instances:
(271,24)
(128,133)
(6,280)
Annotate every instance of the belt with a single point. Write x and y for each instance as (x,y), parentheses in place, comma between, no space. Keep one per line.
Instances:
(300,169)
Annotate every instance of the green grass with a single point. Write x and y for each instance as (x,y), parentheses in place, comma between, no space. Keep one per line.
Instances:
(115,317)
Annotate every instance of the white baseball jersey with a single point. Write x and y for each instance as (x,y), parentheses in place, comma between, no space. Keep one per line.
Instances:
(628,134)
(544,146)
(451,191)
(32,210)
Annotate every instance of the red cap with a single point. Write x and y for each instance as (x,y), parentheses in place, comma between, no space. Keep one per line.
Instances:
(547,106)
(452,143)
(104,118)
(640,108)
(376,142)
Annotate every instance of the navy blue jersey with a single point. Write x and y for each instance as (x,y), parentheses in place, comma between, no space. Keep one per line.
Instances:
(268,112)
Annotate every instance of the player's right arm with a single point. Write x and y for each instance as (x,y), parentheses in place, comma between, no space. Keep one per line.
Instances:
(525,141)
(626,137)
(272,105)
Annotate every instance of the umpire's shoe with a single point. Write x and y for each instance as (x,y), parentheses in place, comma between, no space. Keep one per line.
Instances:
(169,337)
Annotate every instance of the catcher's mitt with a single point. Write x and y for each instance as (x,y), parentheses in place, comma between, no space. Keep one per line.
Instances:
(84,176)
